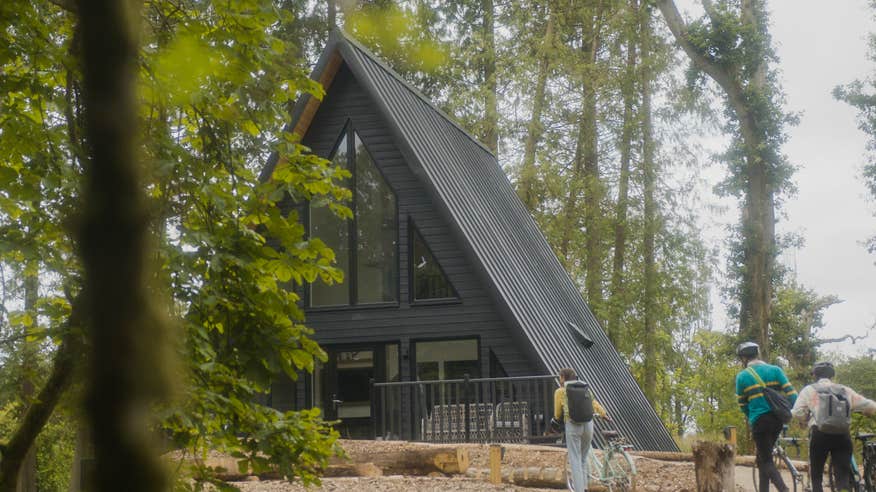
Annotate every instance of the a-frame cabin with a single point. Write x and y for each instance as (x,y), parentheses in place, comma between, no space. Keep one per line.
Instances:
(446,273)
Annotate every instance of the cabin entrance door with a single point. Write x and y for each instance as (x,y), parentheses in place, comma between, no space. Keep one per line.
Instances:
(346,384)
(348,374)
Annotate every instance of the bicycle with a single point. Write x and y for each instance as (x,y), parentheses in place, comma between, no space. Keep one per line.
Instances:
(799,481)
(859,482)
(615,470)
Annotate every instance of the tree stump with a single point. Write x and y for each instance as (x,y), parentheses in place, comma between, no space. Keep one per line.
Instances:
(714,466)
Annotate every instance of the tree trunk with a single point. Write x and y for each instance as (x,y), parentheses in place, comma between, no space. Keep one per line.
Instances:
(714,466)
(81,454)
(491,112)
(758,213)
(331,20)
(128,364)
(41,409)
(593,189)
(650,212)
(528,173)
(620,225)
(570,218)
(585,170)
(27,474)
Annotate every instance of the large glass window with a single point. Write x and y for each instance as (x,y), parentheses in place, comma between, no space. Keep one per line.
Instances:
(335,233)
(366,248)
(447,359)
(429,282)
(376,232)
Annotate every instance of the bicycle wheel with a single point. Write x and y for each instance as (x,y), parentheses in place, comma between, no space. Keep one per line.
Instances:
(623,471)
(870,473)
(593,467)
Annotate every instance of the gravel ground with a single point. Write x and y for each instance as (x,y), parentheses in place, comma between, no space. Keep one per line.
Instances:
(653,475)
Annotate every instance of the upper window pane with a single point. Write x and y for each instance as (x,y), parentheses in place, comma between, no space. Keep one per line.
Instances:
(376,231)
(429,281)
(335,233)
(447,359)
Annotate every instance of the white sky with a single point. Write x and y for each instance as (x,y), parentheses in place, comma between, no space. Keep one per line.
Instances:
(821,45)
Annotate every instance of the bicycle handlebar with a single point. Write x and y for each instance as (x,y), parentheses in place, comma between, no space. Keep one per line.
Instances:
(793,440)
(865,437)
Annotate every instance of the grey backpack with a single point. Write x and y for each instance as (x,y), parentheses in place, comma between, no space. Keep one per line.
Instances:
(833,413)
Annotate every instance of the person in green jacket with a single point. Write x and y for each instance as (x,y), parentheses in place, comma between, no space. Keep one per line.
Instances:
(765,425)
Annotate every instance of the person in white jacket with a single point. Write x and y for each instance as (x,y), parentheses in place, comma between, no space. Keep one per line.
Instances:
(821,444)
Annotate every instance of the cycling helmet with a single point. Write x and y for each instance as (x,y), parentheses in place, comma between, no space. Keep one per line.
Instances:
(823,370)
(748,350)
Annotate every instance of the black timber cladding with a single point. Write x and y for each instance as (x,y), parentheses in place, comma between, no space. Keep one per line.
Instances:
(502,240)
(473,316)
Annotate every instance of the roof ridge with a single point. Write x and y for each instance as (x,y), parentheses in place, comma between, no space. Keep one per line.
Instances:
(345,36)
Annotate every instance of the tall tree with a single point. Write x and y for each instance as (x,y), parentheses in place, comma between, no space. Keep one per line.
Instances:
(584,182)
(488,65)
(651,225)
(862,96)
(128,363)
(630,122)
(732,46)
(527,183)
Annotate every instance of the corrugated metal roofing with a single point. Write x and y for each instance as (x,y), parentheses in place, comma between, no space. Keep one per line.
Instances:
(479,202)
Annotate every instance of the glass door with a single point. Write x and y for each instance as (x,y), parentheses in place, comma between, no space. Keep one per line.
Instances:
(345,379)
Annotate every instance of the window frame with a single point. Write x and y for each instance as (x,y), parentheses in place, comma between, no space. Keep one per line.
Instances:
(412,352)
(352,279)
(413,230)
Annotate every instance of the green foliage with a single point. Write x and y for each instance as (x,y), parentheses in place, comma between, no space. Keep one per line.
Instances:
(395,32)
(216,83)
(859,373)
(54,447)
(229,253)
(54,453)
(797,316)
(862,96)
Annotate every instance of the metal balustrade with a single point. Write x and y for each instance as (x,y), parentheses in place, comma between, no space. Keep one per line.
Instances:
(477,410)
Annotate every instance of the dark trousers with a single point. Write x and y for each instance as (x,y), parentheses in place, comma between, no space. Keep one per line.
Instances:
(765,431)
(839,447)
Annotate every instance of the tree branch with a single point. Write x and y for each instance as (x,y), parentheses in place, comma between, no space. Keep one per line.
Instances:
(679,30)
(721,75)
(41,409)
(852,338)
(68,5)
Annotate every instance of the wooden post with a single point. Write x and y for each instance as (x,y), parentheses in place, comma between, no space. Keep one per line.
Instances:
(495,463)
(714,466)
(730,435)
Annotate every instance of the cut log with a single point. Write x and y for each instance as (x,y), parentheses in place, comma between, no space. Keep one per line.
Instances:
(422,461)
(534,477)
(741,460)
(714,466)
(353,470)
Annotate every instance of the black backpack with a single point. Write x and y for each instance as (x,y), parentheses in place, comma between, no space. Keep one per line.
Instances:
(579,399)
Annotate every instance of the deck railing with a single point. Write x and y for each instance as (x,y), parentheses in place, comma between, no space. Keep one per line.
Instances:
(510,409)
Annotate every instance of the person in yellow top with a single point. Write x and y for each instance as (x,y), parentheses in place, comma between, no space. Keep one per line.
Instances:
(578,417)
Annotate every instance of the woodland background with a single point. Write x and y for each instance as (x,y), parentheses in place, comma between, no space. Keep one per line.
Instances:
(593,108)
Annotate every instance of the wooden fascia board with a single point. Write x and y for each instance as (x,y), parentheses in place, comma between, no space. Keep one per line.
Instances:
(326,79)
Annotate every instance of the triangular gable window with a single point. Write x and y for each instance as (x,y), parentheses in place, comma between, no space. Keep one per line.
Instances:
(428,281)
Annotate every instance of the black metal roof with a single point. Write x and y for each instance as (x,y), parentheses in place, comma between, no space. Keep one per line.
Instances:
(530,284)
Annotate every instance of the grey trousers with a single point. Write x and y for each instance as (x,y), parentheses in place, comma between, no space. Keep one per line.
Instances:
(578,441)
